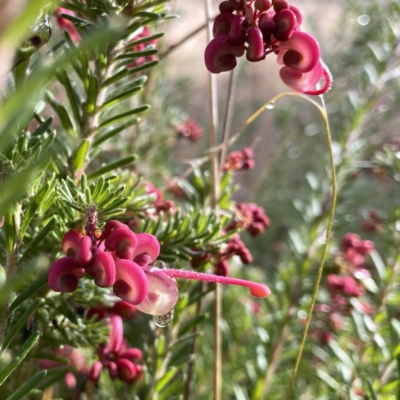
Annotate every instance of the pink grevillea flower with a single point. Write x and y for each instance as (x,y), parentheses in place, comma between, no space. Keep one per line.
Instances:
(240,160)
(131,282)
(64,275)
(74,357)
(102,268)
(123,242)
(147,249)
(143,46)
(66,25)
(121,307)
(120,361)
(220,55)
(190,129)
(267,27)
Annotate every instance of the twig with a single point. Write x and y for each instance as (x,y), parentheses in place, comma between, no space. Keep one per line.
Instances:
(174,46)
(228,118)
(214,205)
(190,367)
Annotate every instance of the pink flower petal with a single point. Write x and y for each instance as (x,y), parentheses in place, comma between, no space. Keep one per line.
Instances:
(126,370)
(222,24)
(302,52)
(147,245)
(285,21)
(84,251)
(131,282)
(301,82)
(103,269)
(255,50)
(116,339)
(94,373)
(220,55)
(64,274)
(70,243)
(123,242)
(237,33)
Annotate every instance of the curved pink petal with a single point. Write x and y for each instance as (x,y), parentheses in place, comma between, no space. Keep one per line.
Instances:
(301,82)
(124,309)
(237,33)
(302,52)
(327,84)
(285,21)
(102,268)
(112,369)
(255,50)
(298,14)
(70,243)
(148,248)
(132,354)
(131,282)
(126,370)
(222,24)
(263,5)
(162,293)
(114,224)
(228,6)
(70,380)
(94,373)
(116,338)
(84,251)
(267,24)
(64,275)
(220,55)
(123,242)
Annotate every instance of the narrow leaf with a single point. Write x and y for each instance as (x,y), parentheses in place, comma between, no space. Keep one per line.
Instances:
(29,291)
(28,386)
(110,167)
(26,348)
(30,212)
(80,155)
(119,117)
(21,322)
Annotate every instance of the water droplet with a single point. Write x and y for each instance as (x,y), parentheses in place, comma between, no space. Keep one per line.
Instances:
(363,19)
(159,264)
(271,105)
(164,320)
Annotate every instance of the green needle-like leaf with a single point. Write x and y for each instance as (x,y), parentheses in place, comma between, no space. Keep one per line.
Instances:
(111,167)
(28,386)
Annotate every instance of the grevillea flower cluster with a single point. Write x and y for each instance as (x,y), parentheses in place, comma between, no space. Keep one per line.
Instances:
(73,357)
(261,27)
(344,287)
(251,218)
(116,357)
(119,258)
(160,204)
(66,25)
(240,160)
(190,129)
(143,46)
(234,247)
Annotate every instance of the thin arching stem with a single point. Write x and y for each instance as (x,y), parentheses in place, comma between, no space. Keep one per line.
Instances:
(231,140)
(323,255)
